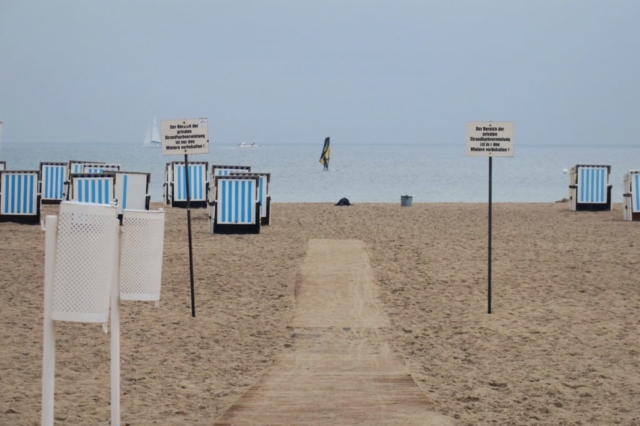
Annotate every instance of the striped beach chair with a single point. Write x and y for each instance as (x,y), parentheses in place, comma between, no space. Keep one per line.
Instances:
(236,209)
(218,170)
(631,196)
(223,170)
(3,166)
(264,196)
(74,167)
(19,196)
(77,167)
(211,201)
(589,188)
(52,177)
(100,168)
(176,184)
(132,190)
(166,186)
(92,188)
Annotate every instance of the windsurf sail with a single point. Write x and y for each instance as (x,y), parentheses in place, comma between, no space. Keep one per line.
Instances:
(326,153)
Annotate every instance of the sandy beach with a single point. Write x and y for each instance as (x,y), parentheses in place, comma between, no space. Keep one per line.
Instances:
(561,347)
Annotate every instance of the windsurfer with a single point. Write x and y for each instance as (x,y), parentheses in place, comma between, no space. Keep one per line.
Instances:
(326,153)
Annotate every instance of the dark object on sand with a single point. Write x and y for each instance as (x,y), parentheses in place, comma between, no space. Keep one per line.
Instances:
(343,202)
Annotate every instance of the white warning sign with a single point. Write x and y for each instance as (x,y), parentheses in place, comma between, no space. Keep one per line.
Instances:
(490,139)
(188,136)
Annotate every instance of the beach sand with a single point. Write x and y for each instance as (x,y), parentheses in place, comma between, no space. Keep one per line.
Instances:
(562,346)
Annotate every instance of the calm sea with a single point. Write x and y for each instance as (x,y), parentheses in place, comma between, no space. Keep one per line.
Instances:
(365,173)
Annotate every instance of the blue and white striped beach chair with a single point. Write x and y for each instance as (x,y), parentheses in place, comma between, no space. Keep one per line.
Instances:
(631,195)
(52,177)
(100,168)
(132,190)
(264,197)
(236,209)
(222,170)
(218,170)
(92,188)
(77,167)
(19,196)
(589,188)
(74,167)
(198,184)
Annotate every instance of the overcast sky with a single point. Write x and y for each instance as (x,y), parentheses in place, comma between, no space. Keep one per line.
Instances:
(292,71)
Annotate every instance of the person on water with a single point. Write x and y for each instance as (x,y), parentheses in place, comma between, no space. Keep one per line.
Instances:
(326,164)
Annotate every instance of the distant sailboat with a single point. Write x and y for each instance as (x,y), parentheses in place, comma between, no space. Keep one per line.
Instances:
(152,138)
(326,153)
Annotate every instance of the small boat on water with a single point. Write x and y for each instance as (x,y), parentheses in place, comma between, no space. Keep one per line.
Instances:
(247,145)
(152,138)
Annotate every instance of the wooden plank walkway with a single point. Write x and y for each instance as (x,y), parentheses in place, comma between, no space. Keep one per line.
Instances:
(341,371)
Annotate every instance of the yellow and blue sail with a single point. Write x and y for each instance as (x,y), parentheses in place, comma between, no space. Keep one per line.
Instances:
(326,153)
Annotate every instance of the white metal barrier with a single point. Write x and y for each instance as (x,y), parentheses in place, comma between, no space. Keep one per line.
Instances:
(141,255)
(85,260)
(86,256)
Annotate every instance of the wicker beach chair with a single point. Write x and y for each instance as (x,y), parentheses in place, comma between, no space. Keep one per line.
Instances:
(222,170)
(168,176)
(132,190)
(589,188)
(74,167)
(100,168)
(3,166)
(264,196)
(235,208)
(19,196)
(52,178)
(631,210)
(92,188)
(176,184)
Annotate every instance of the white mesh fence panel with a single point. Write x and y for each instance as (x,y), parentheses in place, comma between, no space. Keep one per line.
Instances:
(141,255)
(84,267)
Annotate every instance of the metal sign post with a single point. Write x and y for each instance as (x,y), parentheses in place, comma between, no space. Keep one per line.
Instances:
(193,292)
(489,249)
(489,139)
(186,137)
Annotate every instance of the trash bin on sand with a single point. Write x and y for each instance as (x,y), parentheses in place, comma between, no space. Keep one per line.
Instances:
(405,200)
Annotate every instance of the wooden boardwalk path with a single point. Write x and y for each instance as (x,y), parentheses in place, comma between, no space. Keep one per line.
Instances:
(341,371)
